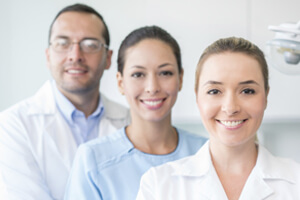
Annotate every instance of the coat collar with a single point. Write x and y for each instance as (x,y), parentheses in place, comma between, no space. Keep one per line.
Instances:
(55,129)
(43,101)
(196,165)
(268,167)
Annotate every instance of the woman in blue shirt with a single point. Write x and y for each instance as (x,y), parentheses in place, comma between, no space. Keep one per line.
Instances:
(150,76)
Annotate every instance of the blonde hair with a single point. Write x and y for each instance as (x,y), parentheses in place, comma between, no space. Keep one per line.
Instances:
(234,45)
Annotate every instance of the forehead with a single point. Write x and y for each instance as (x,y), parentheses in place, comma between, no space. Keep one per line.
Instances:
(77,25)
(230,66)
(150,52)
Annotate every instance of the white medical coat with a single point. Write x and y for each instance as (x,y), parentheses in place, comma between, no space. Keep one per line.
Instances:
(37,147)
(194,178)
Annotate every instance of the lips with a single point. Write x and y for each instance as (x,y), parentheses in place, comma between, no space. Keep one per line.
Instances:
(153,103)
(75,71)
(231,123)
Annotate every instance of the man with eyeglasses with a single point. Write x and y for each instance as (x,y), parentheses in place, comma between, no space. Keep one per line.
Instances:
(39,136)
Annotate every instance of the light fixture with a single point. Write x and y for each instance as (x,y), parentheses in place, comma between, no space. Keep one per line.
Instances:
(283,51)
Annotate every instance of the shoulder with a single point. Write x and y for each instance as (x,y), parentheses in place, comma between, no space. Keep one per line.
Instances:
(278,167)
(113,108)
(194,164)
(106,149)
(175,168)
(41,102)
(288,165)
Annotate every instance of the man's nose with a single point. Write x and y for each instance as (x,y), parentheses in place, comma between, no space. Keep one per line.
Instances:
(75,53)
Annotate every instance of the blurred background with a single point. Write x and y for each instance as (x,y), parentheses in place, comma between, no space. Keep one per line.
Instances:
(194,23)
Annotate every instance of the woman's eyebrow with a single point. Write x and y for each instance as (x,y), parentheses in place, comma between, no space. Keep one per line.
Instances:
(213,83)
(248,82)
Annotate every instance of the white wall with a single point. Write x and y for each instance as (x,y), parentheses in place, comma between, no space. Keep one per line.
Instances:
(194,23)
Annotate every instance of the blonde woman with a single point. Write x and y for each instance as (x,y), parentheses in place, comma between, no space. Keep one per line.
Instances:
(232,89)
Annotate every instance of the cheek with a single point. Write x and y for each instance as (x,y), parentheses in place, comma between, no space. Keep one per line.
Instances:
(207,109)
(258,110)
(171,87)
(132,89)
(56,61)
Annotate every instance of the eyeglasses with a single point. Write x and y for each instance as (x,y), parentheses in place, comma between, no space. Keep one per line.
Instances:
(62,45)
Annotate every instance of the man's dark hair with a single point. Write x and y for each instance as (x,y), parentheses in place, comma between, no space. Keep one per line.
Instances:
(83,9)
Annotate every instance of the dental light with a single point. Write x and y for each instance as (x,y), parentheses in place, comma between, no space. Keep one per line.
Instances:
(284,50)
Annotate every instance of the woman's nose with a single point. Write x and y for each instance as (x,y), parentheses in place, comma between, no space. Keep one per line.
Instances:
(231,105)
(152,85)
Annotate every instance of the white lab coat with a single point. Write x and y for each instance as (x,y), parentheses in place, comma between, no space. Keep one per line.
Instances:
(195,178)
(37,147)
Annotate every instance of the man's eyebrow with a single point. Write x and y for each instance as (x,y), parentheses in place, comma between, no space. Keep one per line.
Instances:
(61,36)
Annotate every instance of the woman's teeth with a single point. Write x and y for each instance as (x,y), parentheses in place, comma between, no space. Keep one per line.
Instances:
(152,103)
(231,123)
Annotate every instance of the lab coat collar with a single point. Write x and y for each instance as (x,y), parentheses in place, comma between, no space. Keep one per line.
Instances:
(200,168)
(267,167)
(194,165)
(54,125)
(43,101)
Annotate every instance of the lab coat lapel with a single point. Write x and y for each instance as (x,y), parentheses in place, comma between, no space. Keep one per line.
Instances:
(61,139)
(200,167)
(255,188)
(211,188)
(56,141)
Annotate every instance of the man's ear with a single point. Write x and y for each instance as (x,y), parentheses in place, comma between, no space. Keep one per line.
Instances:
(108,58)
(120,82)
(47,57)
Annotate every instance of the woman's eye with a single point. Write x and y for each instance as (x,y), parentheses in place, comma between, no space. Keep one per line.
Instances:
(166,73)
(137,75)
(248,91)
(213,91)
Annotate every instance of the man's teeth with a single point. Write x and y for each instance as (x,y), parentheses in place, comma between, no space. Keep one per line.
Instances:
(152,103)
(231,123)
(74,71)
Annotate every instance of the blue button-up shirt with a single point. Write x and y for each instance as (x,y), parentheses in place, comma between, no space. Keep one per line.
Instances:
(83,129)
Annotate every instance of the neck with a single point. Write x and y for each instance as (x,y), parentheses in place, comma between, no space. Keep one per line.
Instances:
(86,102)
(233,159)
(233,165)
(153,137)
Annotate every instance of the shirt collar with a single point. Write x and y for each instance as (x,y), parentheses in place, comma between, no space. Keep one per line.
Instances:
(67,109)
